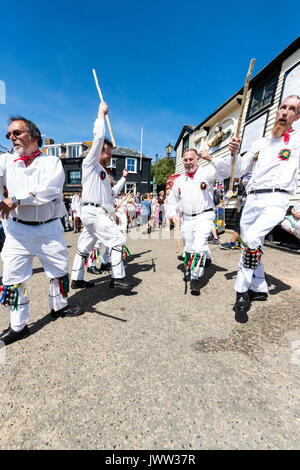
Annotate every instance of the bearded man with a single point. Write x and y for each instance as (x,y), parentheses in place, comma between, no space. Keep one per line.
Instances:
(31,218)
(274,164)
(98,211)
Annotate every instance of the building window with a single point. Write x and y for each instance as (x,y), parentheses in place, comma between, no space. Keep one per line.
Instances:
(53,151)
(129,186)
(73,151)
(131,165)
(113,163)
(185,143)
(75,177)
(262,95)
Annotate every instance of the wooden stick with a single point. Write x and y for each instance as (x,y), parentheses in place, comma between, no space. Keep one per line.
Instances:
(106,116)
(239,124)
(125,198)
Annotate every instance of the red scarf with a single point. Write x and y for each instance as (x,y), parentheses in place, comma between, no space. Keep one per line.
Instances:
(191,175)
(286,136)
(24,158)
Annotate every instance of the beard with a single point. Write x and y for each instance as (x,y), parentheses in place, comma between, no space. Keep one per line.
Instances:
(19,150)
(279,129)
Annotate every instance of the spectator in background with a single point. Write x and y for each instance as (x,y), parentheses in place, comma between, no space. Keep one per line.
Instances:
(241,201)
(130,209)
(161,203)
(76,208)
(146,213)
(291,223)
(137,198)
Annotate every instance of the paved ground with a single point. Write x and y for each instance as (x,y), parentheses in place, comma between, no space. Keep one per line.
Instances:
(157,369)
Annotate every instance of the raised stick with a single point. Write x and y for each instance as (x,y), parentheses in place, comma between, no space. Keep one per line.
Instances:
(106,116)
(124,198)
(239,124)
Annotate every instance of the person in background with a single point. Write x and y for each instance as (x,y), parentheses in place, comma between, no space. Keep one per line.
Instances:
(146,213)
(242,195)
(291,223)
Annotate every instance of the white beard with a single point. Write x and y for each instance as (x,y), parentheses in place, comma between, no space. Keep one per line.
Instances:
(19,150)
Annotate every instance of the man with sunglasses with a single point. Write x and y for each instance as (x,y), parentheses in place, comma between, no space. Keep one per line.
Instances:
(31,214)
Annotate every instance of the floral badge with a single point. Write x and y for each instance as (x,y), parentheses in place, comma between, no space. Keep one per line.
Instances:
(203,186)
(102,175)
(284,154)
(255,158)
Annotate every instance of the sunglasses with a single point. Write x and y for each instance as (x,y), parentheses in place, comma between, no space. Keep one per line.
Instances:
(15,133)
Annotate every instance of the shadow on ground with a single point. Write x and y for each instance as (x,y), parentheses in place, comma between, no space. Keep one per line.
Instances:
(268,324)
(88,298)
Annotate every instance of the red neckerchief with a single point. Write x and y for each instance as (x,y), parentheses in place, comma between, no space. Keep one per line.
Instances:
(286,136)
(24,158)
(191,175)
(107,170)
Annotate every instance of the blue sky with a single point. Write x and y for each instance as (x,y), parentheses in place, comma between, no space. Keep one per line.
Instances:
(160,64)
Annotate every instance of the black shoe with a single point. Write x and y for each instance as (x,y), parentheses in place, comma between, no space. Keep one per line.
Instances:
(207,262)
(105,267)
(81,284)
(180,258)
(119,284)
(195,286)
(94,270)
(241,307)
(257,295)
(67,311)
(10,336)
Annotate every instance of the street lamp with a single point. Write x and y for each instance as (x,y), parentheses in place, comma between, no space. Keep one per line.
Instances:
(169,149)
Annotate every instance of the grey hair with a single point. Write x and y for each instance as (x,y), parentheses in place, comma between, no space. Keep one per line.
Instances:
(191,150)
(32,129)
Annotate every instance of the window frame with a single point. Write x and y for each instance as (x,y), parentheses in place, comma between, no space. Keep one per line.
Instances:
(271,79)
(69,176)
(135,164)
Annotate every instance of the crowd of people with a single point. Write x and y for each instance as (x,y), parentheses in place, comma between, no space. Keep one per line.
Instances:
(145,210)
(33,214)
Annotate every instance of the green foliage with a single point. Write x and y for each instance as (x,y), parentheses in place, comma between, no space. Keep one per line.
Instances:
(161,169)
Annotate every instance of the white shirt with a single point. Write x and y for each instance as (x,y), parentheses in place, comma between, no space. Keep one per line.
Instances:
(76,205)
(195,195)
(44,177)
(95,181)
(269,170)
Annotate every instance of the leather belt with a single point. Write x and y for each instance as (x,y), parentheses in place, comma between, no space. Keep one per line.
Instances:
(91,204)
(27,222)
(273,190)
(198,213)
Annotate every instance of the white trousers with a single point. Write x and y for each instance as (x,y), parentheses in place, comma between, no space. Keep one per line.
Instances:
(195,232)
(262,212)
(22,243)
(98,227)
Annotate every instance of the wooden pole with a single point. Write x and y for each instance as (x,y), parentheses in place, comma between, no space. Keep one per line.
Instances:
(239,124)
(106,116)
(125,198)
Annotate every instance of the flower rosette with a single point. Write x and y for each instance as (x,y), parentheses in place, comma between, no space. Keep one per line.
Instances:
(284,154)
(255,158)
